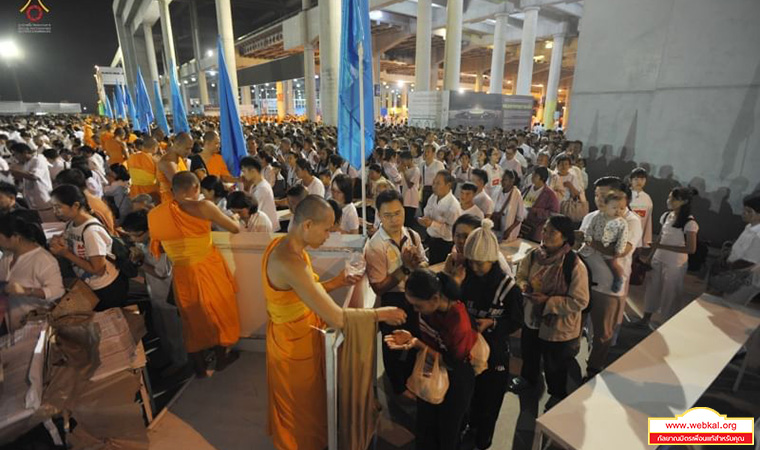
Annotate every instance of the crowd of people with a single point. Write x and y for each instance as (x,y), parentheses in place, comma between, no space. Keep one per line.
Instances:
(440,204)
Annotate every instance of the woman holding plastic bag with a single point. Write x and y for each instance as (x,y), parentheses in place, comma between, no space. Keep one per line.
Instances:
(443,374)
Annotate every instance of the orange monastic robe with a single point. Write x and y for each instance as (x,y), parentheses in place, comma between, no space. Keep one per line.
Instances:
(204,288)
(142,170)
(88,136)
(114,148)
(295,368)
(165,185)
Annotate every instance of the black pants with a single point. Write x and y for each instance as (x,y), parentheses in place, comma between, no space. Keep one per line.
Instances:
(558,357)
(439,426)
(114,295)
(410,217)
(490,387)
(427,192)
(399,364)
(439,249)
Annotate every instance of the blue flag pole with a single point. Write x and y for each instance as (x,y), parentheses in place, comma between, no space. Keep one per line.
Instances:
(233,143)
(360,51)
(160,113)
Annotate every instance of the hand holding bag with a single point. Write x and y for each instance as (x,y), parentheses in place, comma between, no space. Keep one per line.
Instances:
(429,380)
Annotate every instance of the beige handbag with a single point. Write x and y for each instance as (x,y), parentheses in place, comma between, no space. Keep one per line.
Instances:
(575,209)
(429,380)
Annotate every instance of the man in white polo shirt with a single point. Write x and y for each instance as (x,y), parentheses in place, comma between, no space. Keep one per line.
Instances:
(482,199)
(35,175)
(440,213)
(310,182)
(608,307)
(261,190)
(429,169)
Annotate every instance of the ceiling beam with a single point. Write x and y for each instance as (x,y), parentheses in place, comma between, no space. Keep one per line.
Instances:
(570,9)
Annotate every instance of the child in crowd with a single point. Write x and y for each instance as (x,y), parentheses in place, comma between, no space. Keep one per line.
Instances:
(611,229)
(641,204)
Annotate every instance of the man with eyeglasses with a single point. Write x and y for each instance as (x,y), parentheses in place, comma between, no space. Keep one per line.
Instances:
(392,253)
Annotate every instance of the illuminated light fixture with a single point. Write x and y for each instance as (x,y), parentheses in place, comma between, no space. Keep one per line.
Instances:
(9,50)
(461,90)
(209,53)
(316,76)
(549,44)
(213,85)
(539,58)
(184,81)
(509,81)
(192,79)
(400,83)
(538,85)
(375,15)
(212,73)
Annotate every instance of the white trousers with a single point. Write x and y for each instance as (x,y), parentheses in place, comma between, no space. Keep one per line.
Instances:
(664,288)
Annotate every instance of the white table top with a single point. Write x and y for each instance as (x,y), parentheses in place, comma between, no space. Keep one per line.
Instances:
(664,375)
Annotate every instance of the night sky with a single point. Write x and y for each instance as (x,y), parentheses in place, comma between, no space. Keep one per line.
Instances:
(59,66)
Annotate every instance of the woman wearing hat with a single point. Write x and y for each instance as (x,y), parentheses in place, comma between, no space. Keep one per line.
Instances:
(494,301)
(554,282)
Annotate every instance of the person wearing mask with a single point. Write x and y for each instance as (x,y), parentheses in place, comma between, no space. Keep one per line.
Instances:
(157,271)
(441,211)
(341,190)
(29,273)
(509,211)
(429,168)
(554,282)
(541,202)
(609,307)
(494,302)
(446,329)
(391,254)
(8,204)
(261,190)
(312,184)
(86,244)
(246,208)
(677,240)
(35,180)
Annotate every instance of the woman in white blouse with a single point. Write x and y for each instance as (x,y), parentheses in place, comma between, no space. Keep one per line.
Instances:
(341,190)
(247,210)
(30,273)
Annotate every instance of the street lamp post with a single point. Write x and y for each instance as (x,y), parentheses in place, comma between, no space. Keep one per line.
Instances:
(10,52)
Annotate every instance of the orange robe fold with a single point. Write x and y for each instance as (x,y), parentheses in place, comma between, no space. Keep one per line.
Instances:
(115,151)
(217,167)
(165,185)
(142,170)
(204,288)
(295,368)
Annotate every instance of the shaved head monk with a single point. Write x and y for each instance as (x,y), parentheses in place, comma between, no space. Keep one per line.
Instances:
(142,170)
(297,303)
(172,162)
(210,161)
(204,288)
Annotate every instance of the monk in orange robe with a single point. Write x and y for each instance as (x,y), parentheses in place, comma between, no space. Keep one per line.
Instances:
(115,148)
(204,288)
(142,170)
(173,162)
(297,303)
(88,140)
(209,161)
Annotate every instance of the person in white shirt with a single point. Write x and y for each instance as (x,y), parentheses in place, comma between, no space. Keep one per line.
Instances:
(392,253)
(35,177)
(410,187)
(429,169)
(390,160)
(57,164)
(334,163)
(607,313)
(261,190)
(30,273)
(441,211)
(527,155)
(466,196)
(246,209)
(494,171)
(510,161)
(482,199)
(509,208)
(341,190)
(309,181)
(463,170)
(564,183)
(87,245)
(641,204)
(158,282)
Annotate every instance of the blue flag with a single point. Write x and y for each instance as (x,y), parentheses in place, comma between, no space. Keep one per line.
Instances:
(144,110)
(233,144)
(160,114)
(131,109)
(179,116)
(107,107)
(355,30)
(120,110)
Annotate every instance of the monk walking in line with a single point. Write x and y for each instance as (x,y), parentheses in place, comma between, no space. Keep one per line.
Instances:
(143,170)
(298,305)
(204,288)
(173,162)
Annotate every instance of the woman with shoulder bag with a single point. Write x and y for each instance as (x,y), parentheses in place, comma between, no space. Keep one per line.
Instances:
(569,189)
(87,245)
(495,303)
(446,333)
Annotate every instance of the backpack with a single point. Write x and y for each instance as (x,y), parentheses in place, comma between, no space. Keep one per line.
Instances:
(120,251)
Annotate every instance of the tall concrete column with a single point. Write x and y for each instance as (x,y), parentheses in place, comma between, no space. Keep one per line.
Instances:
(257,107)
(245,95)
(329,59)
(224,27)
(478,81)
(150,49)
(167,36)
(404,98)
(552,85)
(453,56)
(376,81)
(527,48)
(280,100)
(127,56)
(198,52)
(309,68)
(434,75)
(423,45)
(497,57)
